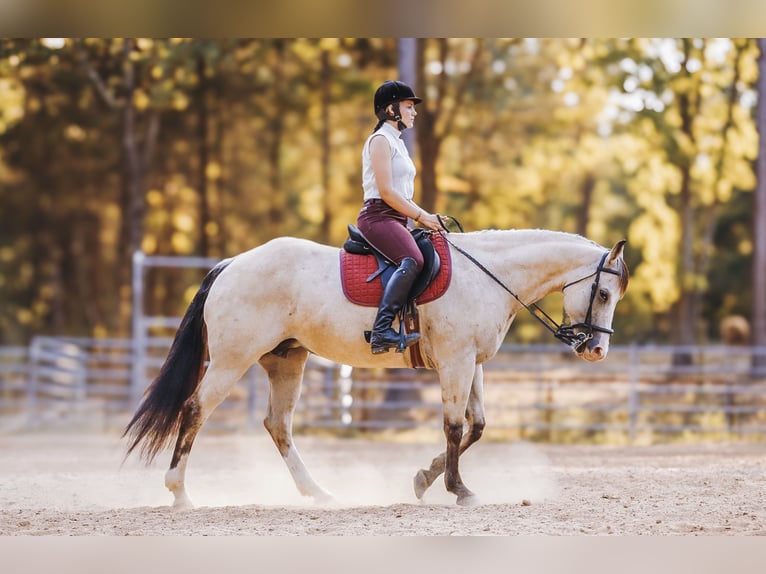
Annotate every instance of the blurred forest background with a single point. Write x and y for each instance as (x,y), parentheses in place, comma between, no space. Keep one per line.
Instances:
(211,147)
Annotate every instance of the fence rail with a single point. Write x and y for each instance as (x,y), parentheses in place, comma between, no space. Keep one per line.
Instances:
(531,391)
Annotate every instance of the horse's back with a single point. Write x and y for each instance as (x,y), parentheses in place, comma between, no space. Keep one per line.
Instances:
(278,247)
(285,289)
(280,273)
(282,262)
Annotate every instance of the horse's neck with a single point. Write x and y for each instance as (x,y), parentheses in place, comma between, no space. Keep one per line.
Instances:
(533,263)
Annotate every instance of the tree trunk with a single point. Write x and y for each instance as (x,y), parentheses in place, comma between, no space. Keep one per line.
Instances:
(710,225)
(408,48)
(204,154)
(276,131)
(325,80)
(133,197)
(132,162)
(685,313)
(759,219)
(427,139)
(408,63)
(583,213)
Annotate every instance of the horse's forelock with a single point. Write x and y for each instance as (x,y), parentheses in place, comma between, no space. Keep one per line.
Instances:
(624,272)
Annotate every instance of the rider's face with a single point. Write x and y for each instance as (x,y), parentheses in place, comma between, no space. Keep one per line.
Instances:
(408,112)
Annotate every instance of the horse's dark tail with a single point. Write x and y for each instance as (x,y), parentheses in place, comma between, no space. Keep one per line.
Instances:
(158,417)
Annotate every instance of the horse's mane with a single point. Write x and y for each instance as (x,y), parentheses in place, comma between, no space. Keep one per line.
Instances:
(538,235)
(541,236)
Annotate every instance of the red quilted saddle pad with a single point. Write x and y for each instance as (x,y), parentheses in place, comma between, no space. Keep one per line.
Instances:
(355,269)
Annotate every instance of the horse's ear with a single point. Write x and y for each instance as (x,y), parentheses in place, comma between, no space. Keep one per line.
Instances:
(616,252)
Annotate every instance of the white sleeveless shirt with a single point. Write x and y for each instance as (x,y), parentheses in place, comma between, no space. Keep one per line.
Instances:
(402,168)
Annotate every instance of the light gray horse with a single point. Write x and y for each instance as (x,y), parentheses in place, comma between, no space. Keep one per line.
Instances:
(282,300)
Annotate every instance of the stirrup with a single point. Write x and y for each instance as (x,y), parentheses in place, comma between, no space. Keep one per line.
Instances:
(404,340)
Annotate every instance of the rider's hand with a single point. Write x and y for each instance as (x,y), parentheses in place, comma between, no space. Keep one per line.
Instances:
(429,221)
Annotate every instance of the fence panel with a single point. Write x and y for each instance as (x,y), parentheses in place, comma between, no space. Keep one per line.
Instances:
(545,392)
(535,392)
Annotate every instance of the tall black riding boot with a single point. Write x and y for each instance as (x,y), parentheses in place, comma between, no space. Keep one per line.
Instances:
(383,336)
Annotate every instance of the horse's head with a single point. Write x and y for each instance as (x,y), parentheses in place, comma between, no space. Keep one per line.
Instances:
(589,304)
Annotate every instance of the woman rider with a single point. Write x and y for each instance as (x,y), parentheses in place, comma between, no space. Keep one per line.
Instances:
(388,176)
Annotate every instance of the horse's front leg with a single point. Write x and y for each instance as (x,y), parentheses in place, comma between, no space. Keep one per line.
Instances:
(474,414)
(456,384)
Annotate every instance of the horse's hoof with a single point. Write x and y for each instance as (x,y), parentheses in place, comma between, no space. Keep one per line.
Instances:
(323,497)
(182,503)
(420,483)
(468,500)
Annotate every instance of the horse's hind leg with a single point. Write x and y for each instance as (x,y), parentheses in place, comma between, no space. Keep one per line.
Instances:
(285,376)
(475,417)
(213,389)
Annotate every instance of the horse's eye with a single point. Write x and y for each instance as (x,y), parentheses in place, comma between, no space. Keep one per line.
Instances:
(603,295)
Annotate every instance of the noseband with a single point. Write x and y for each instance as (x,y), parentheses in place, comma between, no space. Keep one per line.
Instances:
(567,332)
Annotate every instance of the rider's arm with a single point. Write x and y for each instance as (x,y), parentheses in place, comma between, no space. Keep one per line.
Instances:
(380,154)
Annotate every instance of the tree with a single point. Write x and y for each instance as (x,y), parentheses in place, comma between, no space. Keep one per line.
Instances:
(759,215)
(445,99)
(261,137)
(687,96)
(407,50)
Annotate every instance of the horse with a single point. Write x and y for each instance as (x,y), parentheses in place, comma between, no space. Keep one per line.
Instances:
(282,300)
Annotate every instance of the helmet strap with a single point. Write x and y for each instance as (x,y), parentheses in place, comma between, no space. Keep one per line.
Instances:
(398,117)
(384,116)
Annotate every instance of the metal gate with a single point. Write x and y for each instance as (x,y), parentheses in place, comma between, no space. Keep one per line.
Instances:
(143,324)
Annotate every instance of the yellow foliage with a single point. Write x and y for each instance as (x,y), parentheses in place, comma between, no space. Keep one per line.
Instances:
(100,331)
(189,293)
(183,221)
(181,243)
(154,198)
(180,101)
(24,316)
(109,229)
(748,70)
(11,103)
(141,100)
(212,229)
(745,247)
(149,243)
(541,120)
(310,206)
(74,132)
(187,194)
(213,170)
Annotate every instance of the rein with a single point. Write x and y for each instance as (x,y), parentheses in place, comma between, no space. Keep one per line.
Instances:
(564,333)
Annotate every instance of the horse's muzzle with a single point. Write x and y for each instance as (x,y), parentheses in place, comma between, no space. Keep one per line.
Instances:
(594,348)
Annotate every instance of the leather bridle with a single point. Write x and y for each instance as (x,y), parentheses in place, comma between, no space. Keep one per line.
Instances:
(586,326)
(577,335)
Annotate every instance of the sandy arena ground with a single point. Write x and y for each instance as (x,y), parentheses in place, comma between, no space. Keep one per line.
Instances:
(76,484)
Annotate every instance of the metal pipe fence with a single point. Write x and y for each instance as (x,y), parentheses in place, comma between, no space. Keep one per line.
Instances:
(538,392)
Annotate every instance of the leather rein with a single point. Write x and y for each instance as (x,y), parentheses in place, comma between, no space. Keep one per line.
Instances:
(564,333)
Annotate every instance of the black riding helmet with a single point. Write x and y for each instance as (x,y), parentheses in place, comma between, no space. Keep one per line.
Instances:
(392,92)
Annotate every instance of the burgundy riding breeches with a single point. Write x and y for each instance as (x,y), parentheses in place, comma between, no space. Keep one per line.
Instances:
(386,229)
